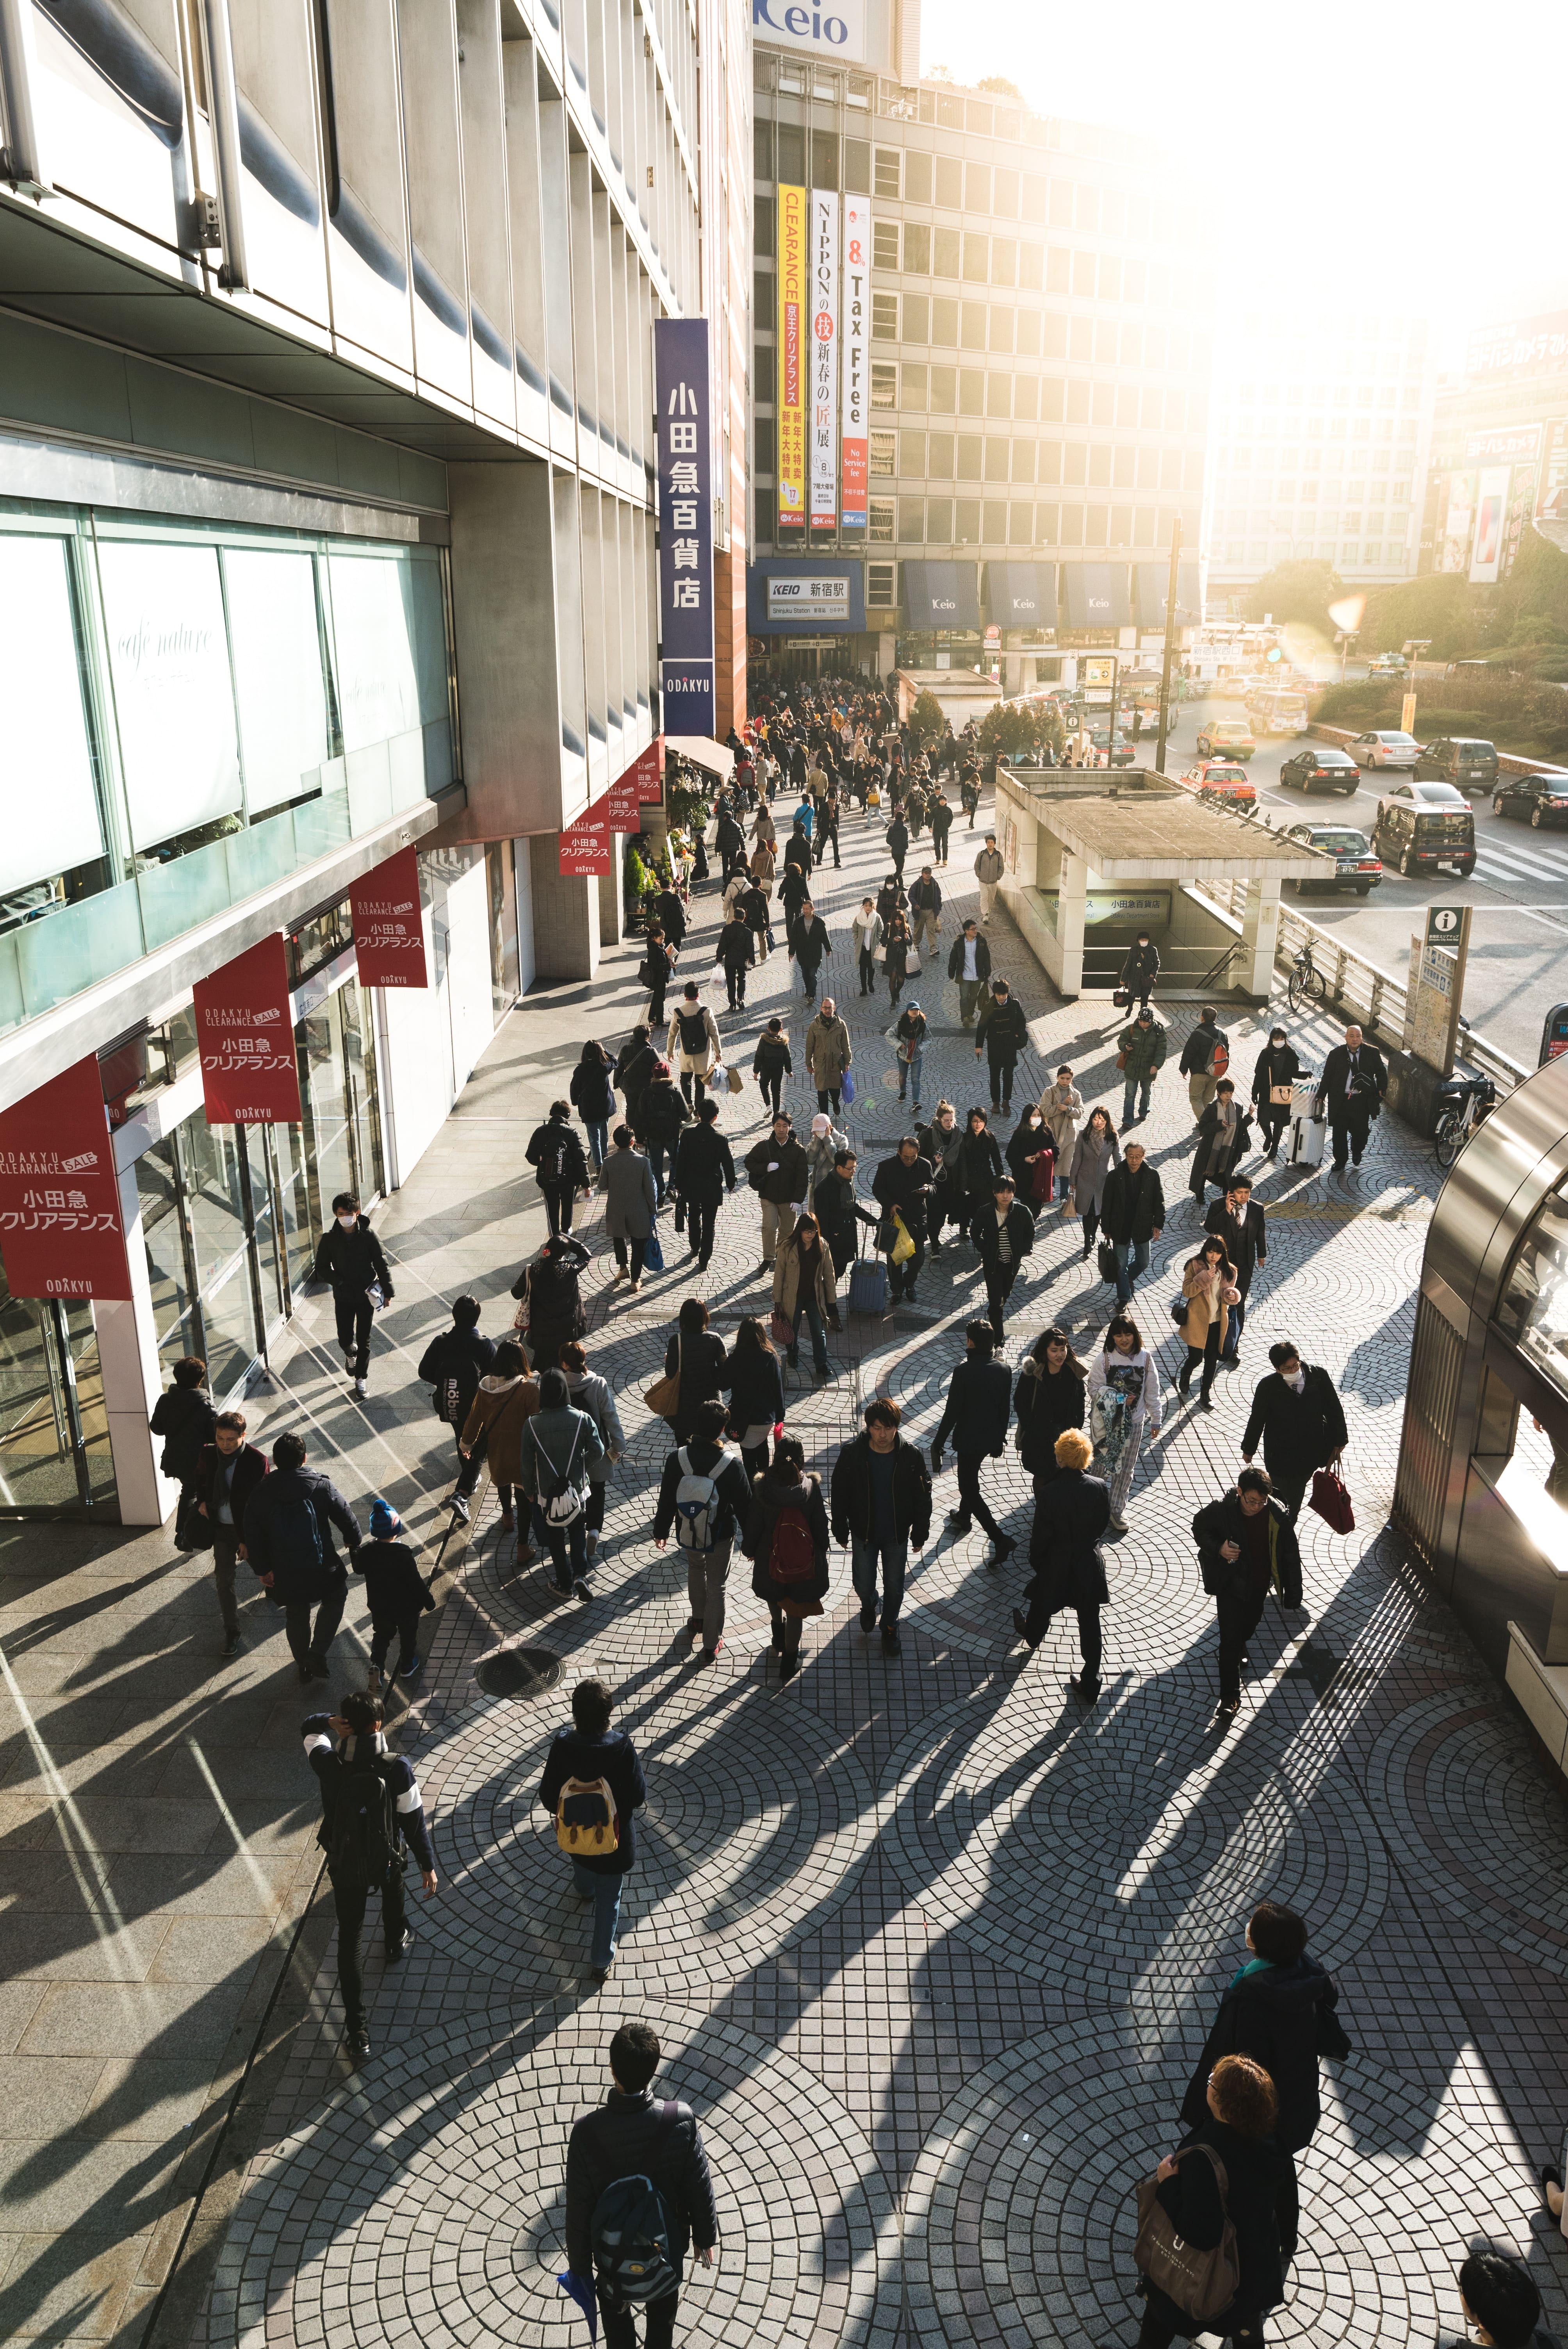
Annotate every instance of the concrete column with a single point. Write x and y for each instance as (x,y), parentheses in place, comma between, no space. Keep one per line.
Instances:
(887,653)
(565,915)
(1260,937)
(128,1358)
(505,612)
(1072,904)
(611,897)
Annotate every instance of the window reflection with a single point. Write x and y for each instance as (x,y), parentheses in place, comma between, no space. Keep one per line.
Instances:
(1534,1307)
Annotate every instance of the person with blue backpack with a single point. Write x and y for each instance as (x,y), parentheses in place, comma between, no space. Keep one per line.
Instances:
(705,1497)
(638,2197)
(289,1520)
(594,1784)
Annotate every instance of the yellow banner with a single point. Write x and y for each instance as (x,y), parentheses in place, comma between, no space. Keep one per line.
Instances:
(791,356)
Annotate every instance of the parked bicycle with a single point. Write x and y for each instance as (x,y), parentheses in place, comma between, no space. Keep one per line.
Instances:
(1465,1100)
(1307,984)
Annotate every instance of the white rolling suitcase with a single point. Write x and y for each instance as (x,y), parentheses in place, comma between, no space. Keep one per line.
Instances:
(1309,1134)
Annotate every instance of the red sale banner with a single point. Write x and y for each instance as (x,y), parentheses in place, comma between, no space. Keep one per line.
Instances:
(623,803)
(585,844)
(388,928)
(244,1032)
(60,1228)
(649,771)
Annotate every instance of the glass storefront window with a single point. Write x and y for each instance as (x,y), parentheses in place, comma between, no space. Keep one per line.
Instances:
(503,926)
(342,1139)
(1534,1307)
(54,1434)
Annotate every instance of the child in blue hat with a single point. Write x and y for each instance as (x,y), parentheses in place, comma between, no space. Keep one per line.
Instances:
(397,1592)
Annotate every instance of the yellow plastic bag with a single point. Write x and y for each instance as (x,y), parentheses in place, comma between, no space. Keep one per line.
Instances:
(903,1247)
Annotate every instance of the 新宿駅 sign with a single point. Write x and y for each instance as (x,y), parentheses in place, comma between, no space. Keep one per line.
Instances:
(825,598)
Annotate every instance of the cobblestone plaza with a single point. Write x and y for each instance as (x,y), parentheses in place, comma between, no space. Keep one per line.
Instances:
(930,1951)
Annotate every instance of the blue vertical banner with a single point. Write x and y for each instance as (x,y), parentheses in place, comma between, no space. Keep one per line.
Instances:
(686,525)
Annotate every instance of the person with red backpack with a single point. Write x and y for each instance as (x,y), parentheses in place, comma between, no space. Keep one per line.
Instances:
(371,1809)
(786,1538)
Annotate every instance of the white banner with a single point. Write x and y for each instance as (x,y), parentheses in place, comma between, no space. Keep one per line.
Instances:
(1491,525)
(855,395)
(823,303)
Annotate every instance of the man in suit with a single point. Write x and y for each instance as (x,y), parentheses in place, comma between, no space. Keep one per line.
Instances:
(1238,1220)
(1005,1236)
(979,1398)
(1355,1081)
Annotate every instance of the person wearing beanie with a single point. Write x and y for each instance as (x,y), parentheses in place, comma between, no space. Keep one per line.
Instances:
(397,1592)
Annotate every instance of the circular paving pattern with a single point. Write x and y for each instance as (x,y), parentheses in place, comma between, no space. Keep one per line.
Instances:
(1020,2215)
(1475,1824)
(427,2203)
(1113,1854)
(756,1821)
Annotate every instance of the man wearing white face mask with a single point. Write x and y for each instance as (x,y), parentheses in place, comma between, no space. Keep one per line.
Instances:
(1297,1412)
(350,1257)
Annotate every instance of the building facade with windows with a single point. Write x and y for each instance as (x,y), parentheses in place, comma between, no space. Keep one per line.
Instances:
(1038,360)
(1321,436)
(325,493)
(1500,448)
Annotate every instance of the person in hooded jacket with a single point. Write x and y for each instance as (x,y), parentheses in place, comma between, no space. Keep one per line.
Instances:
(185,1417)
(1246,1547)
(1297,1416)
(397,1593)
(349,1256)
(1050,1396)
(1240,2118)
(1063,1552)
(1280,2010)
(560,1166)
(554,1299)
(504,1400)
(786,1538)
(589,1751)
(594,1098)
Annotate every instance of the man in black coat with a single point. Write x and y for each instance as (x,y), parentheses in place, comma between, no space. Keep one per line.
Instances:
(1001,1033)
(663,1112)
(730,842)
(288,1525)
(808,943)
(1355,1081)
(1247,1546)
(1069,1570)
(1280,2011)
(736,950)
(905,1181)
(1205,1058)
(776,1168)
(1140,971)
(228,1471)
(975,1415)
(1298,1416)
(1131,1216)
(1238,1220)
(881,1503)
(798,849)
(634,2134)
(704,1171)
(454,1362)
(349,1256)
(897,838)
(1005,1236)
(670,914)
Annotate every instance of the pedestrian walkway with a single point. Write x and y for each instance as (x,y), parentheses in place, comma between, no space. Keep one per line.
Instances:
(930,1952)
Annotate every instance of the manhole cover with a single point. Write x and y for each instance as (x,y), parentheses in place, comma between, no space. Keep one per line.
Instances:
(519,1672)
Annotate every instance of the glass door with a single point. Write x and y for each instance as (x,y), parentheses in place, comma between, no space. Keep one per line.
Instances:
(54,1434)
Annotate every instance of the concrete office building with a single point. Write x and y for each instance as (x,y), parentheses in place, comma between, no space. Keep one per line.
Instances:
(1321,431)
(1040,363)
(1500,447)
(326,468)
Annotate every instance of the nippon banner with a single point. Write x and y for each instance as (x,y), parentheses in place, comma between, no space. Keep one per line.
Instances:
(244,1034)
(585,844)
(388,928)
(686,525)
(853,401)
(789,391)
(824,359)
(60,1229)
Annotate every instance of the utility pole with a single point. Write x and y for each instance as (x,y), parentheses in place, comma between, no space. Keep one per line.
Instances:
(1170,641)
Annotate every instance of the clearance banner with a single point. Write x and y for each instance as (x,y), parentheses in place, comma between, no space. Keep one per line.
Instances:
(388,928)
(244,1033)
(586,844)
(824,359)
(853,332)
(791,358)
(61,1234)
(649,770)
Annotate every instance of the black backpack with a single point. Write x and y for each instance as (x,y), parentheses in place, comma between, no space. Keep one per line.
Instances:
(554,1156)
(457,1383)
(363,1847)
(631,2230)
(693,1032)
(296,1531)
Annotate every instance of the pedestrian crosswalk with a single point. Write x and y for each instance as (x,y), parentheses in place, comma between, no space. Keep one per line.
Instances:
(1527,864)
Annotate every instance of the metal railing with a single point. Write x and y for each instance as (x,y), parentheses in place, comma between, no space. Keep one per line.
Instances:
(1359,989)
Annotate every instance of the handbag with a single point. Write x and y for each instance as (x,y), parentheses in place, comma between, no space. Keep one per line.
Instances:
(519,1319)
(1281,1096)
(780,1328)
(1042,1177)
(1202,2283)
(1105,1258)
(735,1081)
(847,1088)
(663,1397)
(1122,1060)
(1332,1502)
(1121,999)
(1178,1311)
(653,1254)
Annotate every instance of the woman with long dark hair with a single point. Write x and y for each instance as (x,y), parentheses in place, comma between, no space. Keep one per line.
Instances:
(786,1539)
(755,1385)
(594,1098)
(1051,1395)
(1095,1152)
(804,1289)
(1209,1285)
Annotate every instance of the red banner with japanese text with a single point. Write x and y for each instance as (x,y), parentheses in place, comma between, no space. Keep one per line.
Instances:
(388,928)
(649,769)
(585,844)
(61,1234)
(623,803)
(244,1033)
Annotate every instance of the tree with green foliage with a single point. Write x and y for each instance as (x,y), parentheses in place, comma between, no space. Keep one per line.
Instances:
(998,86)
(925,719)
(1295,591)
(1016,729)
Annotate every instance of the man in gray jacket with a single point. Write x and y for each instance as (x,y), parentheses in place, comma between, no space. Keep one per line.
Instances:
(559,1454)
(988,871)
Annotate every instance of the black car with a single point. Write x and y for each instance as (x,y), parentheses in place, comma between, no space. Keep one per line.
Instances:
(1357,864)
(1543,799)
(1471,765)
(1421,825)
(1322,768)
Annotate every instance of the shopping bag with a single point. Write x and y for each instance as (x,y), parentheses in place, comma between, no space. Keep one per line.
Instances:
(1121,999)
(663,1397)
(780,1328)
(847,1090)
(653,1254)
(736,1081)
(1332,1502)
(1042,1177)
(903,1247)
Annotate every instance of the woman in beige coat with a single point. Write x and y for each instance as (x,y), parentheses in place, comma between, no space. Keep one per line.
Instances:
(1209,1285)
(501,1409)
(1061,1106)
(804,1288)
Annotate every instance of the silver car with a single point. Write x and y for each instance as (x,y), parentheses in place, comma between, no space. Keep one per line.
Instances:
(1385,750)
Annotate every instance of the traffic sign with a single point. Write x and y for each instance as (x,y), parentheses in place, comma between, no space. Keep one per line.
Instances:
(1554,1034)
(1444,923)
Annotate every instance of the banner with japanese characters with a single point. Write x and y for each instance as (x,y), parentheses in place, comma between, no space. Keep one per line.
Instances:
(388,928)
(585,845)
(624,802)
(824,359)
(789,391)
(686,525)
(61,1234)
(244,1034)
(853,330)
(649,770)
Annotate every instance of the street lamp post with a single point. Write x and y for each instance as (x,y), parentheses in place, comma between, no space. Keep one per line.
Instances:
(1165,663)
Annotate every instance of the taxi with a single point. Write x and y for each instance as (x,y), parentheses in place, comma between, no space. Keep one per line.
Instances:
(1231,737)
(1223,780)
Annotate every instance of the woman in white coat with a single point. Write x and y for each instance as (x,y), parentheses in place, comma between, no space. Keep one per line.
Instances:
(1061,1106)
(1123,1407)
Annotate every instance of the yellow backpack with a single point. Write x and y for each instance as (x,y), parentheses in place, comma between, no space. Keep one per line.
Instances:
(585,1819)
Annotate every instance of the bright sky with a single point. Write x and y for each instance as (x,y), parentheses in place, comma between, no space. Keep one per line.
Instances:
(1388,154)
